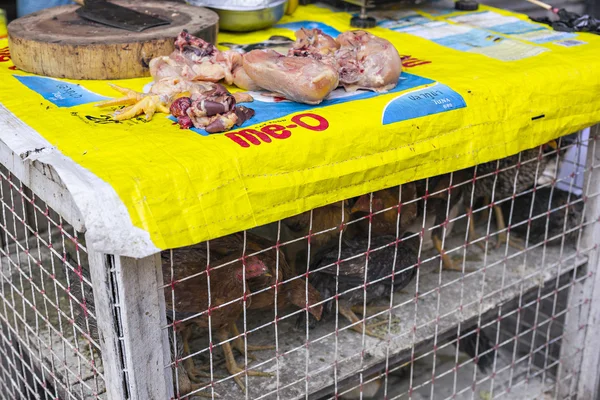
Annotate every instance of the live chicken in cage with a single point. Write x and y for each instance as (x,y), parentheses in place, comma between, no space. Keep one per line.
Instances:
(379,282)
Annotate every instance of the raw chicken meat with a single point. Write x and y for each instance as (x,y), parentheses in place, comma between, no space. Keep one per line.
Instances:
(213,109)
(368,62)
(193,59)
(186,80)
(300,79)
(205,105)
(315,44)
(240,77)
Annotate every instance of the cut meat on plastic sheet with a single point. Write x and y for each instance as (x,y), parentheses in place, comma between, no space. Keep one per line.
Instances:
(472,90)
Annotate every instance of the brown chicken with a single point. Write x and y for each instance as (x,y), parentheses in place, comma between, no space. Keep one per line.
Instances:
(192,297)
(324,218)
(438,213)
(326,224)
(289,291)
(384,223)
(510,179)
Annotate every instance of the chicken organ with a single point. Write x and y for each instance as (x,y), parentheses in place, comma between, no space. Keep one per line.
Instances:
(300,79)
(366,61)
(213,109)
(206,105)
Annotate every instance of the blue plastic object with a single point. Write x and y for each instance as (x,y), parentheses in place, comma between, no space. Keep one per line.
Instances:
(25,7)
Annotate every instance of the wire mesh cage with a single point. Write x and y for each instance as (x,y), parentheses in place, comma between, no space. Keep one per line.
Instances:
(473,284)
(462,285)
(49,340)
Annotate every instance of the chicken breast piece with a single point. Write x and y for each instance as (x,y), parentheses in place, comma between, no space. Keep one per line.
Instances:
(300,79)
(366,61)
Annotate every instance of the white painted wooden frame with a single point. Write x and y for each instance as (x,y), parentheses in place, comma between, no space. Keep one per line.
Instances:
(579,369)
(130,311)
(129,305)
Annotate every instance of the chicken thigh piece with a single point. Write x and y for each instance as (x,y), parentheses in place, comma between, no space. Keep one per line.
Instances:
(368,62)
(193,59)
(300,79)
(315,44)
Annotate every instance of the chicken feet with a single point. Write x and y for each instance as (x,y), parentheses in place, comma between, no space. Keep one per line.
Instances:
(238,344)
(194,373)
(231,364)
(137,103)
(205,105)
(358,324)
(501,228)
(502,235)
(448,263)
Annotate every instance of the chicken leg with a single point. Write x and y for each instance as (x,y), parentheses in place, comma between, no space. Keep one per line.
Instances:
(358,324)
(370,309)
(238,344)
(232,366)
(186,387)
(472,233)
(502,236)
(447,261)
(193,372)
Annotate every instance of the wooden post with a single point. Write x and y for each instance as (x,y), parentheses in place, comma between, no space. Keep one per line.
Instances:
(580,349)
(130,310)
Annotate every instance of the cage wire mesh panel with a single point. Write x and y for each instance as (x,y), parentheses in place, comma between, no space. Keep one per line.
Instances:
(48,333)
(453,287)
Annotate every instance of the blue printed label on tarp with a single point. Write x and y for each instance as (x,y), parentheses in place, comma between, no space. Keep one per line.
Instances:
(294,26)
(475,38)
(61,93)
(403,22)
(512,28)
(419,103)
(510,25)
(546,36)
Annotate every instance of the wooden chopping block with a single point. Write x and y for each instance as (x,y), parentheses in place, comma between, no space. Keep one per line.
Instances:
(57,42)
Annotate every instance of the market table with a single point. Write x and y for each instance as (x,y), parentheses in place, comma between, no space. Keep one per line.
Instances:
(476,86)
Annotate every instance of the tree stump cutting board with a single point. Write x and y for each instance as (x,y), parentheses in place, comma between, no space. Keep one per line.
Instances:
(57,42)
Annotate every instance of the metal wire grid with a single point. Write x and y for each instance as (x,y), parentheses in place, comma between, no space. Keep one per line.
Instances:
(48,336)
(428,316)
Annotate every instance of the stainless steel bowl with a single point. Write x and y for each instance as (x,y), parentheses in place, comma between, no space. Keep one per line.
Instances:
(239,17)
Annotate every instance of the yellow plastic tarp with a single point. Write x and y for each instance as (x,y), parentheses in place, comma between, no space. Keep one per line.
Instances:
(476,86)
